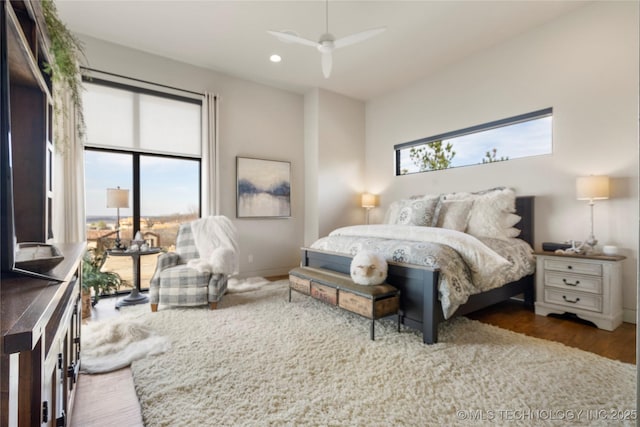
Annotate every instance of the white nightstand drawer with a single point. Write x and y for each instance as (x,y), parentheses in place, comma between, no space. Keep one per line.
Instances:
(575,300)
(573,282)
(593,269)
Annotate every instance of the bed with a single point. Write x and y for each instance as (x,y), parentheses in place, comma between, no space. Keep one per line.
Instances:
(420,303)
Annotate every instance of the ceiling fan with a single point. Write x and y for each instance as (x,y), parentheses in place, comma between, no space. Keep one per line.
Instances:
(327,42)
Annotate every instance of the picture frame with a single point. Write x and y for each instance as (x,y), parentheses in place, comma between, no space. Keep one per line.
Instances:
(263,188)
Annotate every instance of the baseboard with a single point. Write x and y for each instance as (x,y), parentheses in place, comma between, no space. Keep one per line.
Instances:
(629,316)
(282,271)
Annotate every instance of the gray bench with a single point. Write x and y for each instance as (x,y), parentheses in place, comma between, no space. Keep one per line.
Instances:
(371,301)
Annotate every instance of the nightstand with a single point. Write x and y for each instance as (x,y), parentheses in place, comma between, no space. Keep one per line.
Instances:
(588,286)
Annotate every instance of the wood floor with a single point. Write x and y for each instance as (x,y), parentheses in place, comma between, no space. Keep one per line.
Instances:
(569,330)
(110,399)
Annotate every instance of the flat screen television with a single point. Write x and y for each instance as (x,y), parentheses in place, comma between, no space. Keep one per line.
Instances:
(11,253)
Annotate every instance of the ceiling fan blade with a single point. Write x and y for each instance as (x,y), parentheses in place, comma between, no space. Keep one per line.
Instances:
(291,38)
(358,37)
(327,63)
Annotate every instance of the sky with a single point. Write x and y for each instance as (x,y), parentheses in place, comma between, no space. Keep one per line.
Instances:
(531,138)
(167,185)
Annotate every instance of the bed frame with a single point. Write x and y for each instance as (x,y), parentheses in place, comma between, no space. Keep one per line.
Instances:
(419,305)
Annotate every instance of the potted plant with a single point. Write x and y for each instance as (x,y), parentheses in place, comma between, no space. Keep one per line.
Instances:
(93,278)
(67,54)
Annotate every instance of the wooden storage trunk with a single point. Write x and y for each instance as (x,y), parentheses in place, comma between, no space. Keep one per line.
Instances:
(324,293)
(300,284)
(373,302)
(368,307)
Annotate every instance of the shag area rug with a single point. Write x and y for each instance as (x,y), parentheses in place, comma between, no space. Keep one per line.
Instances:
(112,344)
(259,360)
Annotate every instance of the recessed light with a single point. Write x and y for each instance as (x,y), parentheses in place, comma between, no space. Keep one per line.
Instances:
(275,58)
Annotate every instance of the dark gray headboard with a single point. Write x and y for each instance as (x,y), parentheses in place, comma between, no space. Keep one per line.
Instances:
(525,208)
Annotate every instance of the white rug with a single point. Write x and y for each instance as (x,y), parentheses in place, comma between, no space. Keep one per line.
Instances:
(114,343)
(258,360)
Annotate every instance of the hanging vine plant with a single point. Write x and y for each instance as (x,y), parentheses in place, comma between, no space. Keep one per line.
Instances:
(67,52)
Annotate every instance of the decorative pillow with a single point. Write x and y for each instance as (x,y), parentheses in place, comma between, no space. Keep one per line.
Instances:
(368,268)
(492,213)
(412,211)
(454,214)
(510,220)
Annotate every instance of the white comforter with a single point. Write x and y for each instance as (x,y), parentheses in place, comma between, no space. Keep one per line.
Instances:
(468,265)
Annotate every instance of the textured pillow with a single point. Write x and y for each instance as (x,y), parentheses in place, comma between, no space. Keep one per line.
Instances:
(510,220)
(454,214)
(412,211)
(492,212)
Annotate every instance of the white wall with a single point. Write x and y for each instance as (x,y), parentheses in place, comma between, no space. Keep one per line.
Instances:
(585,66)
(335,144)
(255,121)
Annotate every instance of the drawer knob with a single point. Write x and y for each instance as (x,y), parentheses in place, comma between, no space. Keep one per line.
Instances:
(577,282)
(570,267)
(564,297)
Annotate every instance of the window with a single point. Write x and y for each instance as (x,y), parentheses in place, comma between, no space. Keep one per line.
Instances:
(123,117)
(520,136)
(149,144)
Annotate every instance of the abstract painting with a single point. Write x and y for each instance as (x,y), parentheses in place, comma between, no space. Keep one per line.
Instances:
(263,188)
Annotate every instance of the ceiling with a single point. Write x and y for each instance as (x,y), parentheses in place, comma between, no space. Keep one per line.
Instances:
(230,36)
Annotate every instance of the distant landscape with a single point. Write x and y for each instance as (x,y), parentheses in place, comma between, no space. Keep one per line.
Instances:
(157,219)
(163,228)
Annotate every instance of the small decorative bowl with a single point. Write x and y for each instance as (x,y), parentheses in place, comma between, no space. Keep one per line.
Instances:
(37,257)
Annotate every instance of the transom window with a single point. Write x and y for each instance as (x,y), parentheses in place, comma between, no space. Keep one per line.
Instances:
(515,137)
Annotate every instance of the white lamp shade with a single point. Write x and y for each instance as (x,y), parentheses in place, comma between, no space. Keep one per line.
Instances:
(369,200)
(117,198)
(594,187)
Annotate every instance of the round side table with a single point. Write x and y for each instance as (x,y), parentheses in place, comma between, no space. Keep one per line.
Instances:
(135,297)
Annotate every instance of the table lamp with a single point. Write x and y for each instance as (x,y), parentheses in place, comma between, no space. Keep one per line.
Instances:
(594,187)
(369,201)
(117,198)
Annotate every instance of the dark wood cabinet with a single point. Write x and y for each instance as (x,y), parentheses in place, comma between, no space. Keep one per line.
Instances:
(30,106)
(41,323)
(39,318)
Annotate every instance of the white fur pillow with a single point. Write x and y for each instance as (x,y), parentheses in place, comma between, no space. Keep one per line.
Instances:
(492,214)
(368,268)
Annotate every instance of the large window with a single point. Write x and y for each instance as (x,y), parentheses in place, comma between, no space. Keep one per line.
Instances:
(149,144)
(520,136)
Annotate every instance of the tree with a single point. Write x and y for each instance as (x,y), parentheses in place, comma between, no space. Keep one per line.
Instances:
(491,157)
(432,156)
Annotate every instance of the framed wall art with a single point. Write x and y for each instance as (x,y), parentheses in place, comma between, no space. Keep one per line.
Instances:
(263,188)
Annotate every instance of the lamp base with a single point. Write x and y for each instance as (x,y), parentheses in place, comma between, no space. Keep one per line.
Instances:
(119,246)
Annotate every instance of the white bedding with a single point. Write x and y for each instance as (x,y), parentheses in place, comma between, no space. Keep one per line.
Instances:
(483,262)
(468,265)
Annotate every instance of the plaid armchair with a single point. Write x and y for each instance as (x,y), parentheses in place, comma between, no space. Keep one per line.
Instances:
(175,283)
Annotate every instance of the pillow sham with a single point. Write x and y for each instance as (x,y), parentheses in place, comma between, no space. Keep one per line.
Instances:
(454,214)
(413,211)
(492,212)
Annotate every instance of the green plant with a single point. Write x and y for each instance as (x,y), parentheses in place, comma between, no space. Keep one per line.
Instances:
(432,156)
(67,51)
(492,157)
(93,278)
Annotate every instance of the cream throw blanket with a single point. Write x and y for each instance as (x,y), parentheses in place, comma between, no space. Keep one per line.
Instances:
(216,239)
